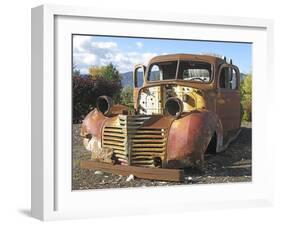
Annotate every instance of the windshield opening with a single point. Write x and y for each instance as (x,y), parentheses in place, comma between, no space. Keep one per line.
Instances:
(162,71)
(188,70)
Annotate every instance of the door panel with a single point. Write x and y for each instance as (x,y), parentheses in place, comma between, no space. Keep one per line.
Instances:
(228,108)
(228,98)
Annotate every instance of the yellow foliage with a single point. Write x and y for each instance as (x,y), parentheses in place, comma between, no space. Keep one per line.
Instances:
(246,97)
(95,72)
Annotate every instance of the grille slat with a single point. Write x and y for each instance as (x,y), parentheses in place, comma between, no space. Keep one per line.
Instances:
(113,131)
(106,135)
(148,152)
(113,138)
(141,141)
(141,157)
(150,161)
(147,132)
(113,141)
(121,156)
(150,145)
(122,148)
(149,148)
(145,136)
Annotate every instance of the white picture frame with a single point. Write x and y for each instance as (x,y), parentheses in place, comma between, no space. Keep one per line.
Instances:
(52,197)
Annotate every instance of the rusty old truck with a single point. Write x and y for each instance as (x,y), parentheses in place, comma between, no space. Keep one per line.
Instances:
(187,106)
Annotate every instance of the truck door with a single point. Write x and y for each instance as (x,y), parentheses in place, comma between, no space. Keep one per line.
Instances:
(228,97)
(138,79)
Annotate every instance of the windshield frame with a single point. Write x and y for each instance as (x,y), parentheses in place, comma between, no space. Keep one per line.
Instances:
(177,71)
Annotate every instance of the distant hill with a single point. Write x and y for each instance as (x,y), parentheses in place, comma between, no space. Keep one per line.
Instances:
(242,76)
(127,79)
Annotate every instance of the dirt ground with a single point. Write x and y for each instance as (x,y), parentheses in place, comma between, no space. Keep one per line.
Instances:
(232,165)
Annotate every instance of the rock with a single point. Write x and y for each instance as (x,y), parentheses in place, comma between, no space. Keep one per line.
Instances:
(189,178)
(98,172)
(130,177)
(162,182)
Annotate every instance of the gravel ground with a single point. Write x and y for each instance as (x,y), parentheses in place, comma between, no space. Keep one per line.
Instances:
(232,165)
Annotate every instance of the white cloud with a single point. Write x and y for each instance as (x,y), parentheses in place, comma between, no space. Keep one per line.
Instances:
(88,52)
(104,45)
(79,43)
(89,58)
(139,44)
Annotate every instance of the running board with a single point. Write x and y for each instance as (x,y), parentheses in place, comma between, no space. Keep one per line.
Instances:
(176,175)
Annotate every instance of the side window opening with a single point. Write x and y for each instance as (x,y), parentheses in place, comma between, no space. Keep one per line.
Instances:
(233,81)
(138,77)
(224,78)
(156,73)
(228,78)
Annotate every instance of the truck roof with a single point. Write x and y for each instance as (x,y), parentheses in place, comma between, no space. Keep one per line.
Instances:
(183,56)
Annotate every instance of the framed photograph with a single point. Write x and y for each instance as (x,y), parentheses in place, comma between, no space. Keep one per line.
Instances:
(141,112)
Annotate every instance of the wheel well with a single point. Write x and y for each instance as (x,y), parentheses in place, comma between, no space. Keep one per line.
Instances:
(211,149)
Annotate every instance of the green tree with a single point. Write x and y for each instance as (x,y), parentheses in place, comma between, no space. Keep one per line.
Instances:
(109,73)
(246,97)
(127,97)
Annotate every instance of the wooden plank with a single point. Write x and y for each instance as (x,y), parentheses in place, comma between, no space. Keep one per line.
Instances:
(139,172)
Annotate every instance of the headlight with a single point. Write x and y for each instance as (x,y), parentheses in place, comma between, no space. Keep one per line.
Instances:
(174,106)
(104,105)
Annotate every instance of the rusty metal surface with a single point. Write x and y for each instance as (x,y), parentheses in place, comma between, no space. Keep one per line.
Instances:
(137,140)
(181,56)
(154,137)
(189,137)
(103,154)
(214,61)
(140,172)
(92,124)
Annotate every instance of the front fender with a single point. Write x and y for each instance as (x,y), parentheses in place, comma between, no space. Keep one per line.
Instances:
(92,124)
(189,137)
(91,129)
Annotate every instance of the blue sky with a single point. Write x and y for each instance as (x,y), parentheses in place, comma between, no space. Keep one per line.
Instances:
(124,52)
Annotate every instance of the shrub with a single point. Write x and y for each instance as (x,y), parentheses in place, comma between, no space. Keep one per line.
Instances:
(107,73)
(247,108)
(246,97)
(86,91)
(127,97)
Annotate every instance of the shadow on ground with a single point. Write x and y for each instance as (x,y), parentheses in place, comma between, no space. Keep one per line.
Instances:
(232,165)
